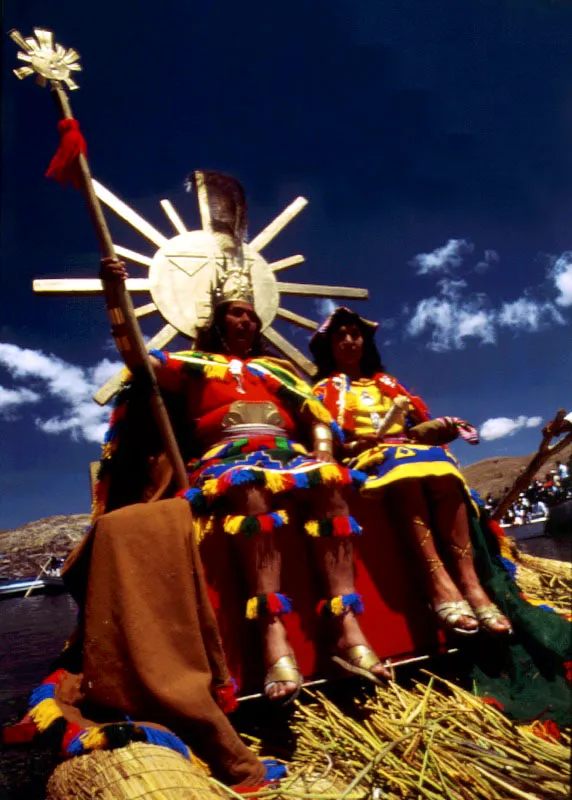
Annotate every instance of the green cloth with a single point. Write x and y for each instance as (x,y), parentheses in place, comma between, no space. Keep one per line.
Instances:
(527,672)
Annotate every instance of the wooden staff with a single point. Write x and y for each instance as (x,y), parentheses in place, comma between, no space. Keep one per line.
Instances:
(542,455)
(52,66)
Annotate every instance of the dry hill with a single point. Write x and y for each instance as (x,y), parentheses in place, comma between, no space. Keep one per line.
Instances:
(494,474)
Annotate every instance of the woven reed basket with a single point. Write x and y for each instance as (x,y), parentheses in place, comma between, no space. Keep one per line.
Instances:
(136,771)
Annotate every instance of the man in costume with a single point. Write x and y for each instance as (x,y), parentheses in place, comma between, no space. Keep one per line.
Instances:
(390,438)
(244,415)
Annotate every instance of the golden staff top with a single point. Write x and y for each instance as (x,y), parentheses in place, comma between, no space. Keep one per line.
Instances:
(48,61)
(182,268)
(54,63)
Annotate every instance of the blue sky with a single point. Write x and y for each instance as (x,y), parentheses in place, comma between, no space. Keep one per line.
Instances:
(432,140)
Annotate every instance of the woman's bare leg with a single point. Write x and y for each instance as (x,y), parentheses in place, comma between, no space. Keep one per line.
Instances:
(409,512)
(334,559)
(261,561)
(449,512)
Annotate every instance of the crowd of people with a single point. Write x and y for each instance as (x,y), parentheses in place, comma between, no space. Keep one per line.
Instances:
(535,502)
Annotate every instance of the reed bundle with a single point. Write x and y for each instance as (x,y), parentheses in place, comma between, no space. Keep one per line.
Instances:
(423,742)
(545,580)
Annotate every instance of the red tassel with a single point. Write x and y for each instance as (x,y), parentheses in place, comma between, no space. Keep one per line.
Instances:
(226,697)
(274,604)
(342,526)
(64,165)
(72,730)
(55,677)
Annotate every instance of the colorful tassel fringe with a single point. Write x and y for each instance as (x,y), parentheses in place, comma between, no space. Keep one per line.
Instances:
(340,605)
(72,739)
(272,603)
(250,526)
(334,526)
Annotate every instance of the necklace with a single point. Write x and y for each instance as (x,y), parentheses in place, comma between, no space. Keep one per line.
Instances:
(235,368)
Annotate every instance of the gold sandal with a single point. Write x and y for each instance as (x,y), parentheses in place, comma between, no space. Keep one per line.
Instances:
(488,615)
(285,670)
(451,611)
(367,658)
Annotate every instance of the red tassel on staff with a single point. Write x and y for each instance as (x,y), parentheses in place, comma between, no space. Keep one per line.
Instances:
(64,165)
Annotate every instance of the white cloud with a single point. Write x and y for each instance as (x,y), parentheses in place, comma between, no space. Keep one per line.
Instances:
(69,385)
(528,314)
(499,427)
(452,320)
(442,259)
(12,398)
(324,308)
(561,274)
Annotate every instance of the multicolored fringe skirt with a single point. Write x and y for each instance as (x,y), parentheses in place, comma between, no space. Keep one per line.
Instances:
(274,463)
(387,463)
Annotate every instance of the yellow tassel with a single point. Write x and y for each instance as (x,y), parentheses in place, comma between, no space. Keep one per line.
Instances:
(318,411)
(232,523)
(284,517)
(93,739)
(210,487)
(203,526)
(337,606)
(216,371)
(252,608)
(274,481)
(45,713)
(299,448)
(330,473)
(312,527)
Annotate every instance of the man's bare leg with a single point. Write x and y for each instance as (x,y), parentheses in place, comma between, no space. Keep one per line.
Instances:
(334,558)
(261,561)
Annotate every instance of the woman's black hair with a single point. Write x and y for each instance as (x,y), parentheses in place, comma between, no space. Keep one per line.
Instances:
(211,339)
(370,361)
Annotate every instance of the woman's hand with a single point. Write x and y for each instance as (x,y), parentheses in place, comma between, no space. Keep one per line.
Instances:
(112,269)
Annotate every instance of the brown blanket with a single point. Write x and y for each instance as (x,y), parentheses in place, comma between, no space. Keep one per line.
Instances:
(151,646)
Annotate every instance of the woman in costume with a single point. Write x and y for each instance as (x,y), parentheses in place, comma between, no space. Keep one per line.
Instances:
(245,416)
(389,436)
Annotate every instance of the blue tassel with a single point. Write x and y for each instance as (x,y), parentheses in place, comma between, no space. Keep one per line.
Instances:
(165,739)
(75,747)
(275,771)
(358,477)
(354,602)
(42,692)
(355,527)
(285,602)
(301,480)
(508,565)
(338,432)
(477,498)
(159,355)
(242,476)
(278,521)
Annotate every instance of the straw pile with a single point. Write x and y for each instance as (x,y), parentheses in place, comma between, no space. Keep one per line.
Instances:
(546,580)
(136,771)
(424,743)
